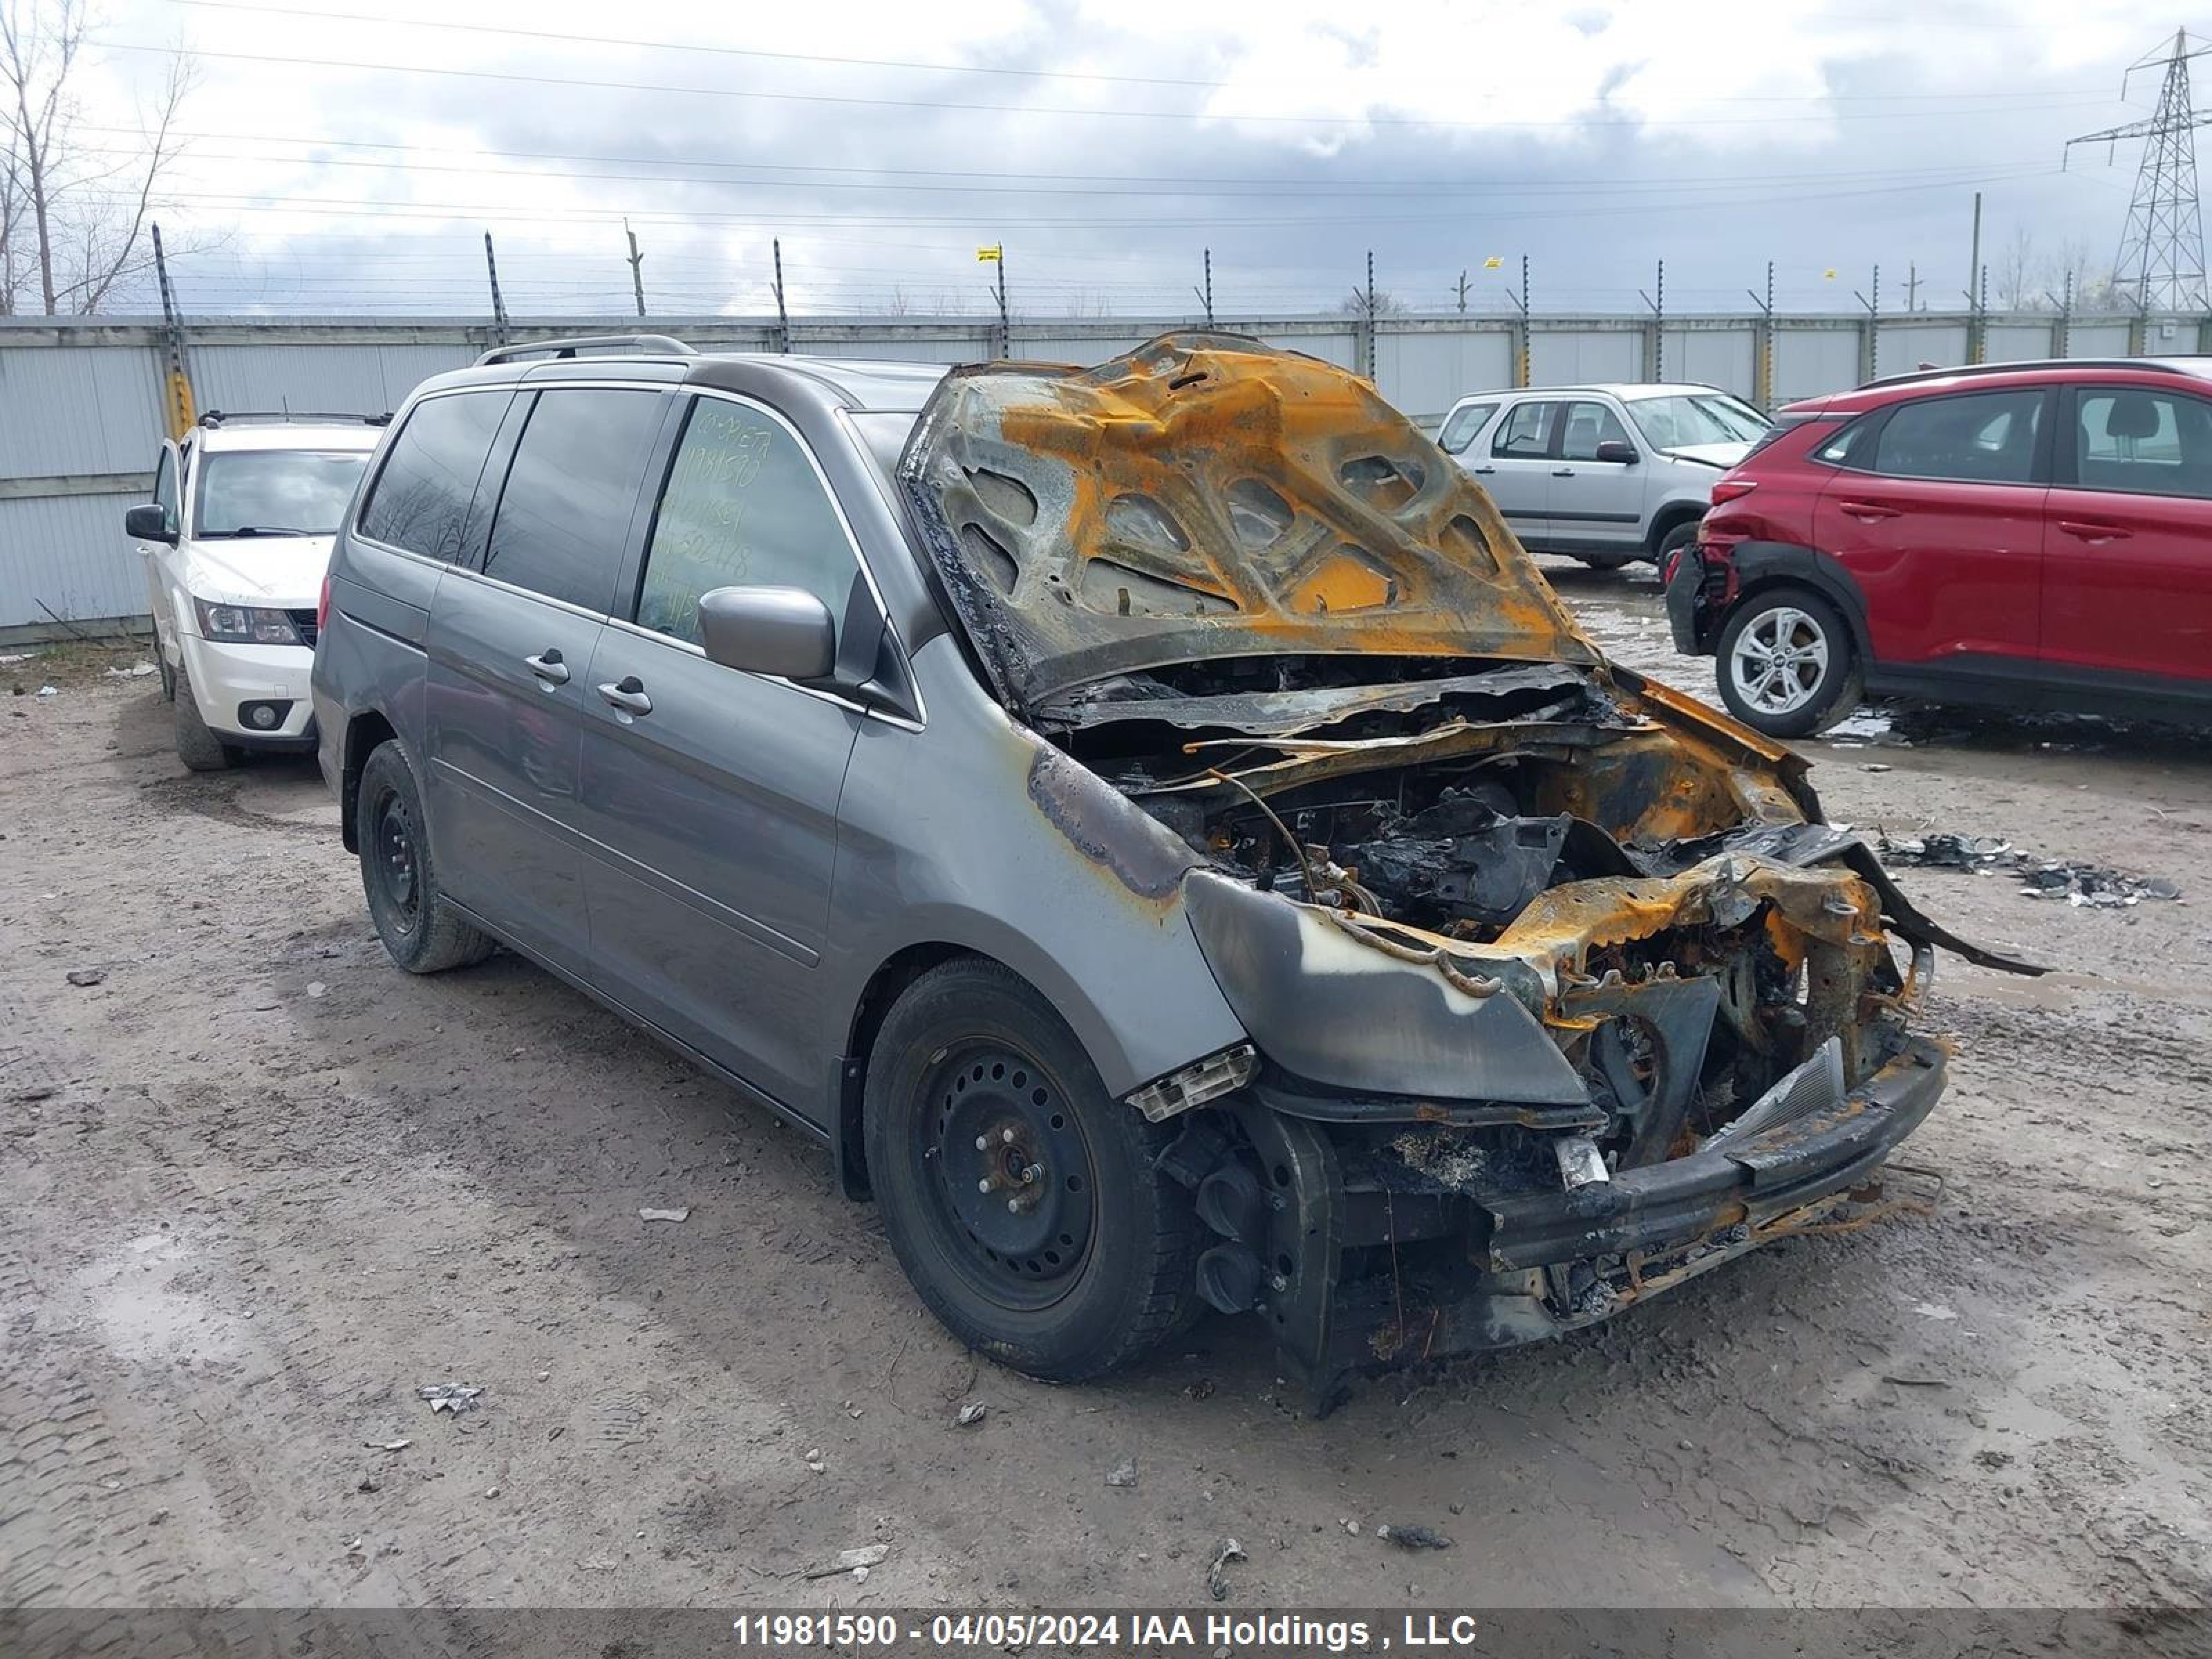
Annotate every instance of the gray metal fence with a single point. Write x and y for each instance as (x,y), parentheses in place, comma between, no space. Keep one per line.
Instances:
(80,407)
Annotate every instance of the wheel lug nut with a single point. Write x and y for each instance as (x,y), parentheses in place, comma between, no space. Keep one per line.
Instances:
(1015,1204)
(1006,1137)
(983,1143)
(983,1186)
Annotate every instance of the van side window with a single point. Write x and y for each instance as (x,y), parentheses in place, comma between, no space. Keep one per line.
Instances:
(564,518)
(744,508)
(419,499)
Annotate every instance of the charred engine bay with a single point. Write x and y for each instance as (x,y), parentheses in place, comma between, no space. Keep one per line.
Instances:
(1497,814)
(1450,845)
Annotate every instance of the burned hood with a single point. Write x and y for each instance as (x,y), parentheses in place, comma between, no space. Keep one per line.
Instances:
(1203,497)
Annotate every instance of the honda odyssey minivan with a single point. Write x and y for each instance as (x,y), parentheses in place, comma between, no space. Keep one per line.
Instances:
(1153,822)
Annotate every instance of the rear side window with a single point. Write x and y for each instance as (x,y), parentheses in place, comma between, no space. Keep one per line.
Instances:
(1524,431)
(1850,447)
(2143,443)
(744,508)
(564,515)
(1460,430)
(1988,437)
(420,500)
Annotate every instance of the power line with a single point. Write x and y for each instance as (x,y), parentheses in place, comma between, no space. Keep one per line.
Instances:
(1362,184)
(664,89)
(692,48)
(443,212)
(1286,190)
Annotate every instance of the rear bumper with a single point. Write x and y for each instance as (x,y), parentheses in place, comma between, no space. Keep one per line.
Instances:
(1688,612)
(1468,1271)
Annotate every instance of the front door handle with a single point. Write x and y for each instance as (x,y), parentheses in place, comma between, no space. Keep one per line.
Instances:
(1484,471)
(626,694)
(2094,533)
(1869,511)
(1563,472)
(548,667)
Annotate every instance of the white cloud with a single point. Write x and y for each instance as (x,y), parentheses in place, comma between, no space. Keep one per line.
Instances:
(1717,135)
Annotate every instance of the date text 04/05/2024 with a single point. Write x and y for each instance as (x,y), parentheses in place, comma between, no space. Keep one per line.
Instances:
(1077,1630)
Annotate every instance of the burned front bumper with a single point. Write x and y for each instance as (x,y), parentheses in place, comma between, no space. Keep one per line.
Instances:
(1355,1267)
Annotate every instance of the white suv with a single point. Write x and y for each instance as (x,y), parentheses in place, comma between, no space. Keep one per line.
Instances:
(1606,474)
(235,543)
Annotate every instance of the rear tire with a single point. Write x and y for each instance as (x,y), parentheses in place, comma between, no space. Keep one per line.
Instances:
(1607,561)
(197,746)
(419,925)
(1786,663)
(1020,1197)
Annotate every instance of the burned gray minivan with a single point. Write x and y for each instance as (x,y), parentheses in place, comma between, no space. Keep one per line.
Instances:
(1152,822)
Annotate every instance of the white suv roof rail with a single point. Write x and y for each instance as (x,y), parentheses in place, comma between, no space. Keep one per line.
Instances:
(660,345)
(217,417)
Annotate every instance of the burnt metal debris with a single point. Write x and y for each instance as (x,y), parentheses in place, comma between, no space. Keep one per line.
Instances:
(2069,880)
(1561,991)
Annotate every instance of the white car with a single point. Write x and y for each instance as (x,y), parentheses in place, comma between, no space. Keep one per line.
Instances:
(1606,474)
(235,542)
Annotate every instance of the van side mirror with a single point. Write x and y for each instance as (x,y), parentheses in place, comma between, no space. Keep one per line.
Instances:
(1613,449)
(149,522)
(784,631)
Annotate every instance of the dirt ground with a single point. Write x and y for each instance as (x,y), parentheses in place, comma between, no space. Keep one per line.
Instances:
(260,1186)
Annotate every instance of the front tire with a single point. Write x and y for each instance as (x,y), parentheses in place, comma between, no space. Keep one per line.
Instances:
(1607,561)
(1683,535)
(1020,1196)
(197,746)
(1786,663)
(419,925)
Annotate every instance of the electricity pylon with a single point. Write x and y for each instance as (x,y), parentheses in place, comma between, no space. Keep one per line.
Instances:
(2162,258)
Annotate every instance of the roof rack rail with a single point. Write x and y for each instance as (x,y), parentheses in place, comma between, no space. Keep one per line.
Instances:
(2163,361)
(660,345)
(318,417)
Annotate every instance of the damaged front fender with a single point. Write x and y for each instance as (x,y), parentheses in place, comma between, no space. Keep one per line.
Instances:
(1339,1010)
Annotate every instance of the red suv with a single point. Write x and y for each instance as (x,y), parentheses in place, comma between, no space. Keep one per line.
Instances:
(2032,535)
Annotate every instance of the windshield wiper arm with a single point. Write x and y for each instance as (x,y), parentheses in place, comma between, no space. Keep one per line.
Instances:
(262,529)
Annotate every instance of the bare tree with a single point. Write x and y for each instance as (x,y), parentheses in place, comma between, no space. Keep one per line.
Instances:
(1385,303)
(73,214)
(12,206)
(2019,274)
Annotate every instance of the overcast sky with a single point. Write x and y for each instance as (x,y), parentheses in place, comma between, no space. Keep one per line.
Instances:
(346,163)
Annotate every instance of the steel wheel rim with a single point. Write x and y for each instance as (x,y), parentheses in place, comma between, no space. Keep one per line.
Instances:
(398,871)
(1779,659)
(1009,1182)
